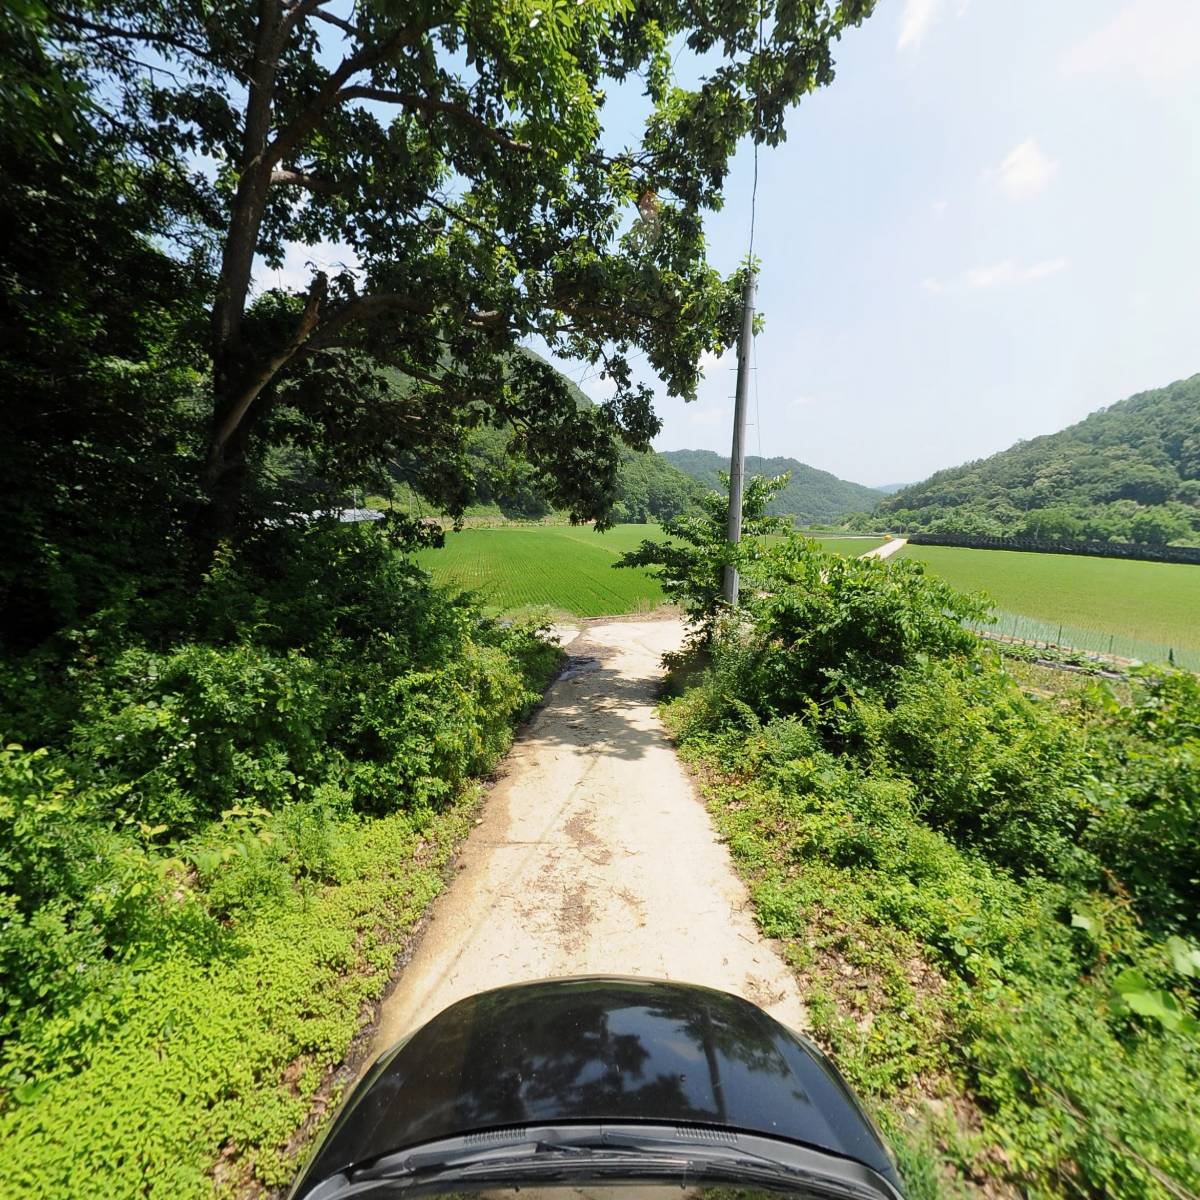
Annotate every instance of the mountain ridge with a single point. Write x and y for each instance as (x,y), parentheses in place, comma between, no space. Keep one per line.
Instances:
(1129,471)
(811,495)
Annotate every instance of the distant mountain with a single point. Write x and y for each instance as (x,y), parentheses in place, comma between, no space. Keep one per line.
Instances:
(888,488)
(1130,472)
(811,495)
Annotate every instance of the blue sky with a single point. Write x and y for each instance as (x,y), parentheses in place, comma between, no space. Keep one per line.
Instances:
(987,227)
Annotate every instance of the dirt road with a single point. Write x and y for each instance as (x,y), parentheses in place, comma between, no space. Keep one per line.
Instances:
(593,854)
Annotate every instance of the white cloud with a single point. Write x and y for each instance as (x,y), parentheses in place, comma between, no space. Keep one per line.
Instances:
(914,23)
(1045,268)
(711,363)
(933,285)
(599,388)
(991,276)
(704,417)
(1156,40)
(940,206)
(1025,171)
(302,262)
(1007,272)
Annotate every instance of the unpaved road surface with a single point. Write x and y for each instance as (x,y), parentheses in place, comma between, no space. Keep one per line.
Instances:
(887,549)
(593,855)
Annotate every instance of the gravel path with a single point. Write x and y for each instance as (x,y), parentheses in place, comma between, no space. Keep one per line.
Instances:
(593,854)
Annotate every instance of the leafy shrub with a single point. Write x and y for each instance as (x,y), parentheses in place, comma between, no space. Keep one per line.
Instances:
(1144,792)
(989,894)
(991,766)
(196,787)
(823,628)
(189,733)
(78,901)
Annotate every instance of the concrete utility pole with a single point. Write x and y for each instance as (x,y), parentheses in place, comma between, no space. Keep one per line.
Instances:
(737,459)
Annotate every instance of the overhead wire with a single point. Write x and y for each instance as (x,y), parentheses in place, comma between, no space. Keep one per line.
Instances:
(753,215)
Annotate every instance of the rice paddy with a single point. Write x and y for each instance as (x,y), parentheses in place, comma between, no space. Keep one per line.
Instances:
(1143,610)
(563,567)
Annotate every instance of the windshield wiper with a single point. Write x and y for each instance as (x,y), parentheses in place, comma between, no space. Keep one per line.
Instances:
(608,1152)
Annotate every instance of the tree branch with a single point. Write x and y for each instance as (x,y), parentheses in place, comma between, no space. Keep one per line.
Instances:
(429,105)
(363,308)
(330,93)
(270,367)
(152,37)
(345,26)
(295,12)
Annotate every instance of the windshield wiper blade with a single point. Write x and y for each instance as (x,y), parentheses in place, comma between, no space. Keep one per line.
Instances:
(553,1154)
(416,1162)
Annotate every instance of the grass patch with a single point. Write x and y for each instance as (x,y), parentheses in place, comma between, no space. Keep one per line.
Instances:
(221,1062)
(564,567)
(1135,609)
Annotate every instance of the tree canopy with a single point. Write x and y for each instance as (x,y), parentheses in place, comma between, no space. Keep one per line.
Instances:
(458,154)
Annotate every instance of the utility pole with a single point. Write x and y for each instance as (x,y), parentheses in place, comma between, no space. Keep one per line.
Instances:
(737,459)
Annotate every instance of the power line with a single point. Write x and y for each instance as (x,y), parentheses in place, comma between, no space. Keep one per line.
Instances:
(757,132)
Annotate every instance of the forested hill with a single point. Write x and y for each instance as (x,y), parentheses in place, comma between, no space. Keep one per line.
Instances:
(810,495)
(1130,472)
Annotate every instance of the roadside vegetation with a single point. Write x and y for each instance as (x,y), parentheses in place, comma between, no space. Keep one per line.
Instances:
(989,889)
(213,841)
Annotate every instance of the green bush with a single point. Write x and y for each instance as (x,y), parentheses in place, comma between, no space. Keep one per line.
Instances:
(824,628)
(991,896)
(188,782)
(1144,791)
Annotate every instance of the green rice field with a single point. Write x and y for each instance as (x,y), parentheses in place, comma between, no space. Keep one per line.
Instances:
(1144,610)
(562,566)
(565,567)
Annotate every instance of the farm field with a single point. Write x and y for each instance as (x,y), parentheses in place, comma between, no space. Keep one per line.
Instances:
(849,546)
(1135,609)
(567,567)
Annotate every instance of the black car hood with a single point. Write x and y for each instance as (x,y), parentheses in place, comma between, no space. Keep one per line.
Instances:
(597,1049)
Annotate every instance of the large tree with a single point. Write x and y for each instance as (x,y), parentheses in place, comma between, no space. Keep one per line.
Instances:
(458,152)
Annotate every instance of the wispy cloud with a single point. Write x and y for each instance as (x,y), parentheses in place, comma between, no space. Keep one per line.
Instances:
(1025,171)
(599,388)
(711,363)
(915,21)
(302,262)
(706,416)
(1007,272)
(1157,41)
(997,274)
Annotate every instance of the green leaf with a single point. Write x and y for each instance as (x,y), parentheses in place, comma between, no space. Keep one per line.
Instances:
(1184,957)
